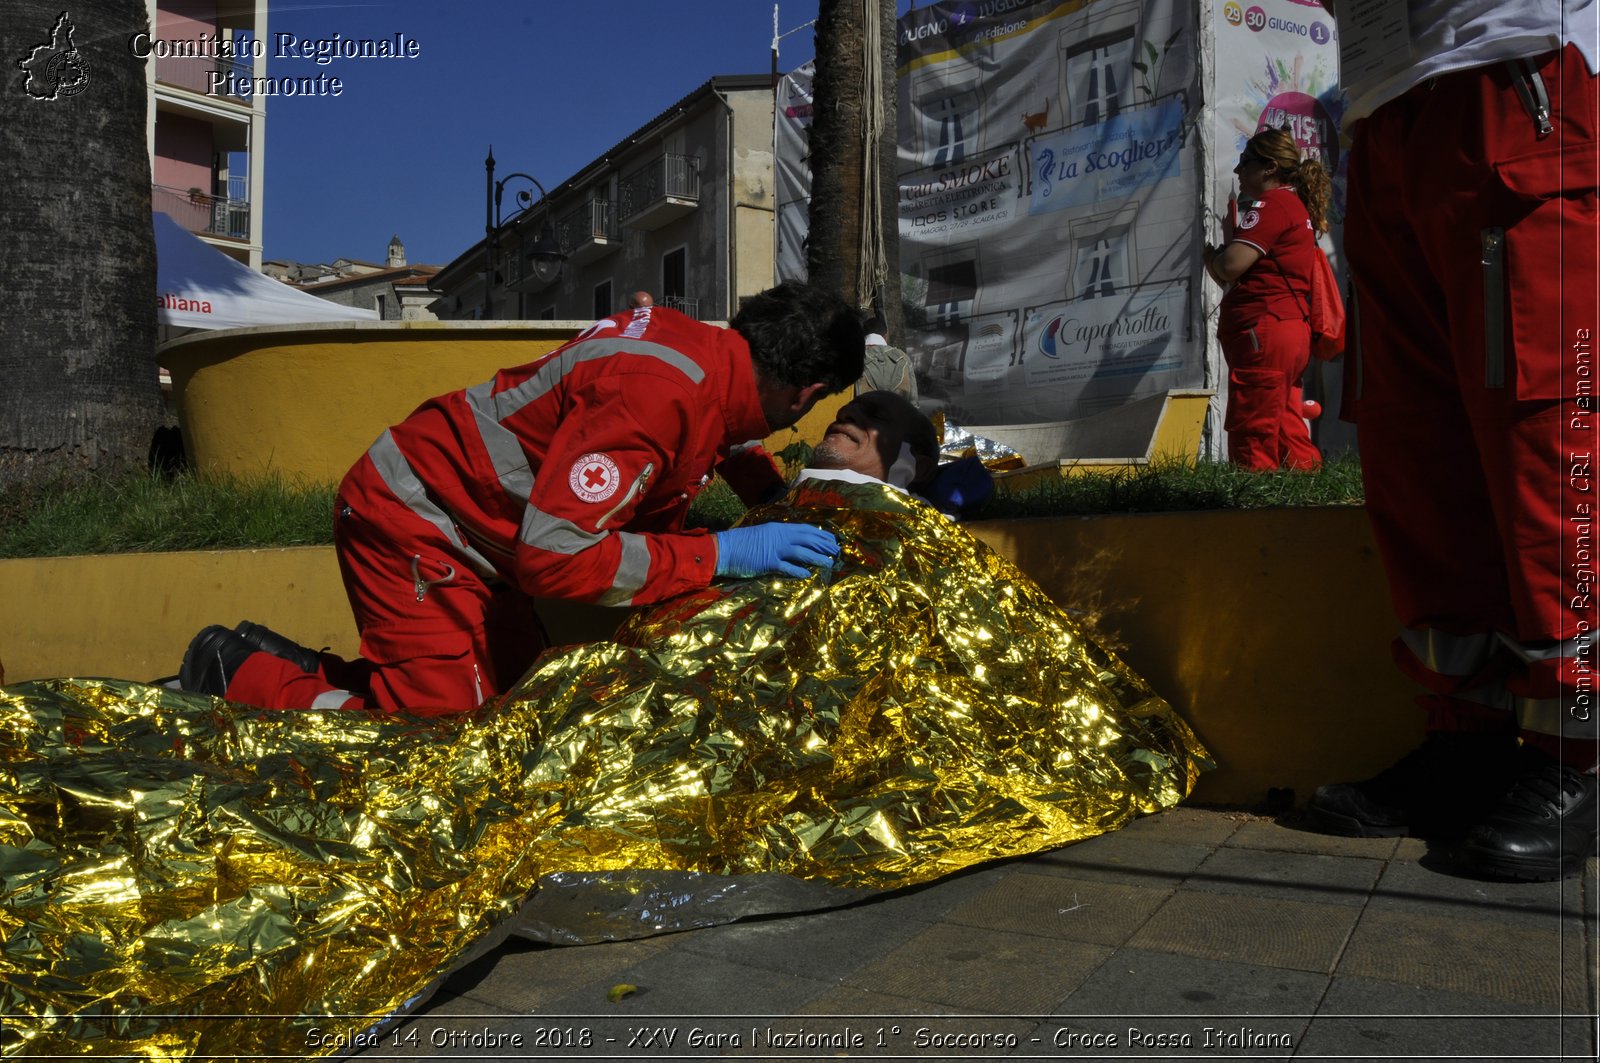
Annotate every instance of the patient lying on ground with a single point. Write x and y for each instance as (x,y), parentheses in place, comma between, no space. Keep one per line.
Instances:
(764,745)
(918,705)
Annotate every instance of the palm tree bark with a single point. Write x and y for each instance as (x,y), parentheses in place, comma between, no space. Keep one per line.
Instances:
(853,168)
(77,335)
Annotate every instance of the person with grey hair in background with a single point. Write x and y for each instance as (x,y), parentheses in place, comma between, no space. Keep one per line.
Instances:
(887,368)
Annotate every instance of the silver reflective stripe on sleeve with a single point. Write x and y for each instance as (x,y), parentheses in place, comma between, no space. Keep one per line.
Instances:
(559,536)
(402,481)
(1546,651)
(633,568)
(1448,654)
(331,699)
(545,532)
(510,461)
(1573,716)
(508,402)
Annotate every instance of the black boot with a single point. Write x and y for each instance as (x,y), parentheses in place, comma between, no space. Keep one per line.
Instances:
(1438,790)
(212,659)
(268,641)
(1542,829)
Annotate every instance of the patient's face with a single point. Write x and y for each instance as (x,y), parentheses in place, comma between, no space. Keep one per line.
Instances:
(866,435)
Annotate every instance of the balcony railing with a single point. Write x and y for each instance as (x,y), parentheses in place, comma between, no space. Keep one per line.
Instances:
(596,218)
(589,231)
(664,188)
(209,77)
(202,213)
(682,304)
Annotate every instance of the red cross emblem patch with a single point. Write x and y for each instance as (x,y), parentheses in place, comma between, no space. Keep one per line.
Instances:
(594,477)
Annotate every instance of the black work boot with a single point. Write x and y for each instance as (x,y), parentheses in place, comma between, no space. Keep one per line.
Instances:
(1438,790)
(212,659)
(1542,829)
(267,640)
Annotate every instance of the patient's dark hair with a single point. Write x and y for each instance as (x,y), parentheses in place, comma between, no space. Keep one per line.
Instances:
(923,438)
(920,436)
(800,334)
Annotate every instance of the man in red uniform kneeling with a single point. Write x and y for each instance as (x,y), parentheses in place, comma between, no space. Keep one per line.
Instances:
(569,478)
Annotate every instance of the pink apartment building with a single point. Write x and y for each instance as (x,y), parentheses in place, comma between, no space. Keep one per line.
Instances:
(207,146)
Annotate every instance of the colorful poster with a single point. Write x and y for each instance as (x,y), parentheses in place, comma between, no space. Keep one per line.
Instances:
(1049,186)
(1277,65)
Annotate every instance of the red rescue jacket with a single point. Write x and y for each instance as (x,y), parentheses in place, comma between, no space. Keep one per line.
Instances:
(570,476)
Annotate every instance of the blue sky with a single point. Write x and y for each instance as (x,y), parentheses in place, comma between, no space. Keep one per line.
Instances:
(551,83)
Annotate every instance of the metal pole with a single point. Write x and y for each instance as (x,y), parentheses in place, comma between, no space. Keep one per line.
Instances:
(488,236)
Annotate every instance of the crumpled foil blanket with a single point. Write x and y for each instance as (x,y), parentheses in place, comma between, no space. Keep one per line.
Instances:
(176,869)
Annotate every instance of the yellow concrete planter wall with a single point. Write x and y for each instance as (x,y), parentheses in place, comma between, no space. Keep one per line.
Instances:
(1268,630)
(308,401)
(129,616)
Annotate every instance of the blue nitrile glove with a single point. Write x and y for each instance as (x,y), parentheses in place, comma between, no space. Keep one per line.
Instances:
(959,486)
(774,548)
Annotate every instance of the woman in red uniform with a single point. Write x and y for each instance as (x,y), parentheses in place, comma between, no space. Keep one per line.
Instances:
(1264,326)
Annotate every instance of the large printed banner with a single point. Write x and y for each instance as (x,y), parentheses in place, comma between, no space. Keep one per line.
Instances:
(1112,159)
(1049,193)
(791,126)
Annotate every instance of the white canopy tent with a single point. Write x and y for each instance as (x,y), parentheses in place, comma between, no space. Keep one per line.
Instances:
(200,287)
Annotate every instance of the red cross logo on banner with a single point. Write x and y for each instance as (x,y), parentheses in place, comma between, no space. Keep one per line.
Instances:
(594,477)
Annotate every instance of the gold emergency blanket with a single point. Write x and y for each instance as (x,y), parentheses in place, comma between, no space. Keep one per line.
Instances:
(176,868)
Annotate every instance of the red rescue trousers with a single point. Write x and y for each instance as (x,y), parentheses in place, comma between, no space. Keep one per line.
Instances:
(1265,421)
(436,637)
(1471,379)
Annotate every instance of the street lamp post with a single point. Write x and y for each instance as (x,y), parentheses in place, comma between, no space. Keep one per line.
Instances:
(546,256)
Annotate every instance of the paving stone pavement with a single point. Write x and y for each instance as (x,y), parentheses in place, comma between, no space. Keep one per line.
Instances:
(1191,934)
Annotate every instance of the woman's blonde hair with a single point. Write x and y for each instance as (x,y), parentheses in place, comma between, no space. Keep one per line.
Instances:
(1306,176)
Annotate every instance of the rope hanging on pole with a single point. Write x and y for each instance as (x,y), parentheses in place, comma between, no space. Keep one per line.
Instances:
(872,273)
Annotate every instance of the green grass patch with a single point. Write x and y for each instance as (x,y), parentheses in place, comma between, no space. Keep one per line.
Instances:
(186,512)
(1162,487)
(157,513)
(1165,487)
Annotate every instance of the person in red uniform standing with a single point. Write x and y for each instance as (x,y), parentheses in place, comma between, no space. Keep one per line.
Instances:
(569,478)
(1470,380)
(1264,325)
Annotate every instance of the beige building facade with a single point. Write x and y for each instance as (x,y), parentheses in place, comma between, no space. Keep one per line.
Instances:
(681,208)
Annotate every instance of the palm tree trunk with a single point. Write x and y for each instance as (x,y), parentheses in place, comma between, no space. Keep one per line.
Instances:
(853,157)
(77,335)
